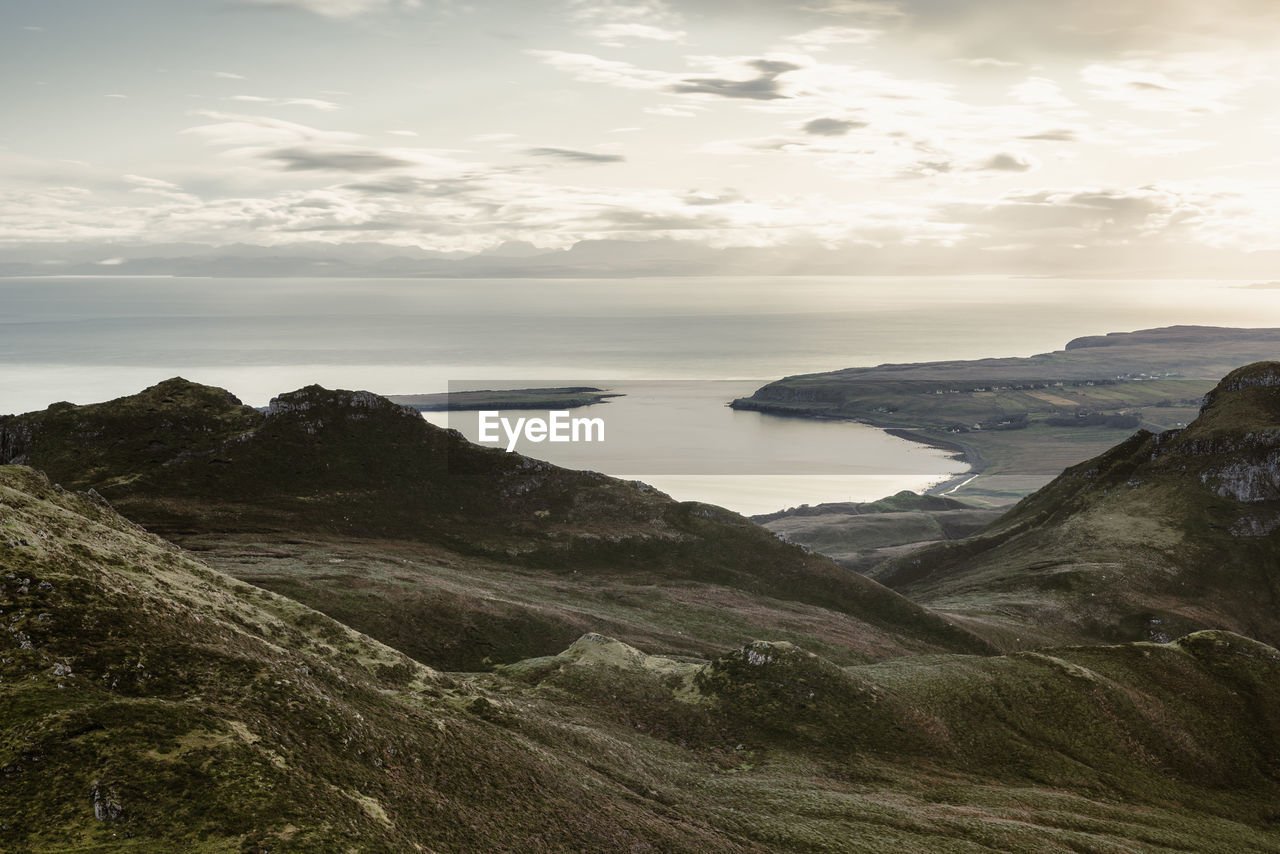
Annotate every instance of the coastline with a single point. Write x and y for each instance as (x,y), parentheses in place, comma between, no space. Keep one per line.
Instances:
(965,453)
(959,451)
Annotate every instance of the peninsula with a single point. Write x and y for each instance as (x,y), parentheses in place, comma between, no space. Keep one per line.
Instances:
(558,397)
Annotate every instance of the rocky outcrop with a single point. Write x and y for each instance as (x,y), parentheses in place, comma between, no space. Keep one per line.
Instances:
(15,440)
(314,397)
(1247,481)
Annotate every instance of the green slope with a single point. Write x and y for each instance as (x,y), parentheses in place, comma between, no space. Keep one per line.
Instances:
(862,536)
(1163,534)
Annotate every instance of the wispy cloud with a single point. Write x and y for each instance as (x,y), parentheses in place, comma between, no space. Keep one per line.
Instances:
(866,9)
(575,156)
(336,8)
(824,38)
(1185,83)
(233,130)
(613,23)
(1040,91)
(611,72)
(310,103)
(616,35)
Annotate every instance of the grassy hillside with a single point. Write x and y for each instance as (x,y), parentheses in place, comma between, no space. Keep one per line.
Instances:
(148,703)
(1163,534)
(862,535)
(466,555)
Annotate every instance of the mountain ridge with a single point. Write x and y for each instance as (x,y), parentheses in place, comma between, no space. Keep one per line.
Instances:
(193,464)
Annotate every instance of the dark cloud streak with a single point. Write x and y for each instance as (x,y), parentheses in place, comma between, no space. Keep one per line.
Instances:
(764,87)
(831,127)
(575,156)
(301,159)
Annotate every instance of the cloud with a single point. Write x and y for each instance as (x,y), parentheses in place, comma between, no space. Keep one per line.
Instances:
(335,8)
(1085,215)
(681,111)
(575,156)
(1041,92)
(616,35)
(831,127)
(866,9)
(701,198)
(158,188)
(1181,83)
(989,62)
(402,132)
(1054,135)
(824,38)
(227,75)
(305,159)
(1005,161)
(765,86)
(244,131)
(1034,30)
(592,69)
(312,103)
(614,22)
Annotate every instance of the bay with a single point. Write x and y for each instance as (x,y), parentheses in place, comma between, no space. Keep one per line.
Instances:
(91,339)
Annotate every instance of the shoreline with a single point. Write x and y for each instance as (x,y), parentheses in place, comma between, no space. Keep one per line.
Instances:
(965,453)
(960,451)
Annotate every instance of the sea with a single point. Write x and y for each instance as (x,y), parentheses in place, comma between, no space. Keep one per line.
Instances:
(675,349)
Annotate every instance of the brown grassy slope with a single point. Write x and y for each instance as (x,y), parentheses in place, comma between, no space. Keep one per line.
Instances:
(148,703)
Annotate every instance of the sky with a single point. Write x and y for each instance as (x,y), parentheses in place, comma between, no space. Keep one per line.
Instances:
(1063,137)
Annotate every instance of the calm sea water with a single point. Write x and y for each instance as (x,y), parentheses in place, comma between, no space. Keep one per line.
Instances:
(91,339)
